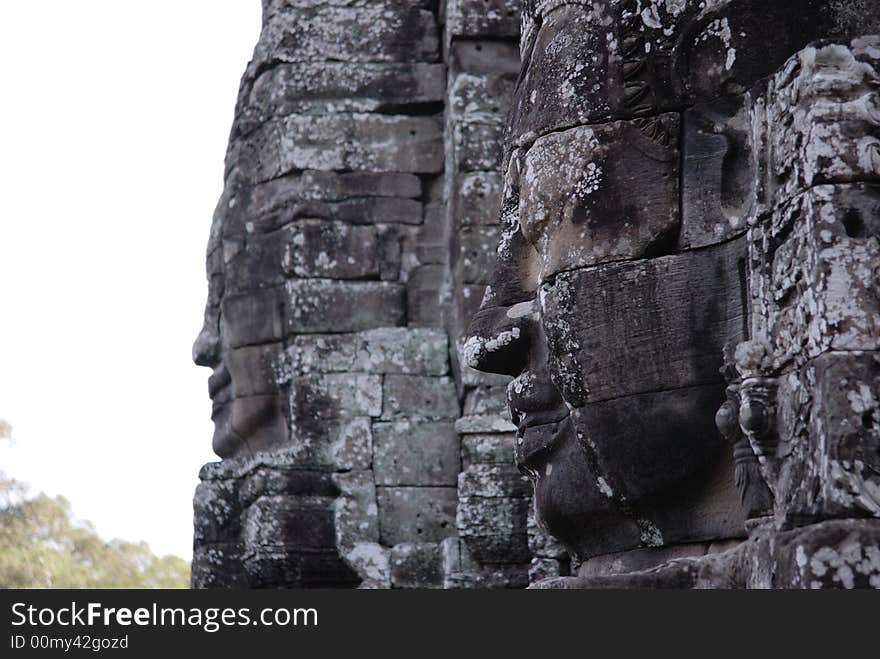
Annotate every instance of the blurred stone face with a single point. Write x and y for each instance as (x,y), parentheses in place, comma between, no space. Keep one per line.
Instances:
(241,337)
(632,175)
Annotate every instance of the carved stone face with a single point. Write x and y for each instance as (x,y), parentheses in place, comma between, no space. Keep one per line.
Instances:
(622,270)
(241,337)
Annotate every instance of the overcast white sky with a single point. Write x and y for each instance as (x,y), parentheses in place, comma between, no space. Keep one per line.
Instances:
(113,125)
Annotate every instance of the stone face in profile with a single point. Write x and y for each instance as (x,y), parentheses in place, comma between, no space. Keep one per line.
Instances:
(328,388)
(664,184)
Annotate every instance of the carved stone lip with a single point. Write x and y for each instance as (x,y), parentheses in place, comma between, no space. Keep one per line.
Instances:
(218,381)
(535,419)
(534,442)
(219,404)
(219,390)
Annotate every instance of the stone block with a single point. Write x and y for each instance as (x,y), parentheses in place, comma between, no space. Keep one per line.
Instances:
(416,514)
(419,396)
(477,146)
(386,31)
(483,18)
(251,369)
(269,478)
(216,512)
(217,566)
(462,571)
(483,56)
(274,566)
(487,449)
(338,186)
(837,554)
(818,133)
(477,255)
(334,396)
(494,529)
(484,423)
(480,98)
(416,565)
(372,563)
(410,452)
(305,88)
(813,284)
(431,244)
(301,523)
(423,292)
(390,251)
(827,461)
(334,444)
(331,250)
(251,318)
(577,205)
(345,141)
(356,513)
(486,400)
(493,480)
(400,350)
(252,263)
(477,198)
(610,346)
(355,197)
(323,305)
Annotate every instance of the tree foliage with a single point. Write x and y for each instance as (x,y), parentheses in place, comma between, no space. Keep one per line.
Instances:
(43,545)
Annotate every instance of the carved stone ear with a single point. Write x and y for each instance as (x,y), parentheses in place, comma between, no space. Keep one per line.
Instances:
(755,495)
(727,416)
(727,421)
(757,415)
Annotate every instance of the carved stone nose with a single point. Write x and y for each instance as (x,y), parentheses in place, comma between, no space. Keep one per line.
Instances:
(206,348)
(497,339)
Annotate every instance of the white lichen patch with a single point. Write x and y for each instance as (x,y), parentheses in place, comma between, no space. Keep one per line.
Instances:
(841,565)
(559,172)
(649,534)
(523,310)
(862,399)
(604,487)
(720,29)
(372,564)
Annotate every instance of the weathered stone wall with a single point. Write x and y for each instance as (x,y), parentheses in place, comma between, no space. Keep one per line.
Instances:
(337,273)
(332,287)
(326,262)
(499,541)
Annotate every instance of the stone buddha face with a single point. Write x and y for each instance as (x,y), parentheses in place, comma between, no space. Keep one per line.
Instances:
(615,381)
(621,274)
(242,332)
